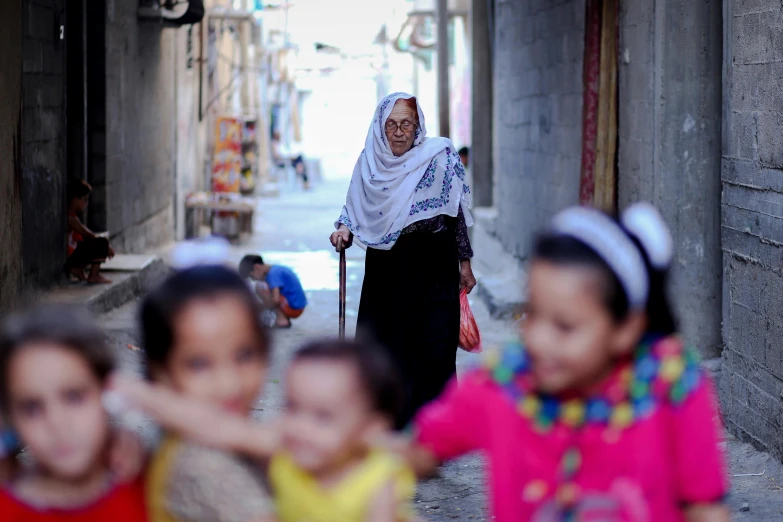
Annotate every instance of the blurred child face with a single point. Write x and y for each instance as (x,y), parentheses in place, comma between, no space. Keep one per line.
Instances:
(327,414)
(80,204)
(216,356)
(571,336)
(257,274)
(55,406)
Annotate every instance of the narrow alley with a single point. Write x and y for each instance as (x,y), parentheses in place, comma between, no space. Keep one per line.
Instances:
(130,127)
(293,230)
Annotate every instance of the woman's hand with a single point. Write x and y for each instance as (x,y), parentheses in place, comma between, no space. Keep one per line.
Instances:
(466,278)
(344,234)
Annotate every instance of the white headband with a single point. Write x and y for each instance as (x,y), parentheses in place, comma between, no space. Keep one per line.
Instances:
(206,251)
(612,244)
(645,223)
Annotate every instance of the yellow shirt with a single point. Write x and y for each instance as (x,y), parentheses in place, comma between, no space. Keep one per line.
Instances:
(157,478)
(300,498)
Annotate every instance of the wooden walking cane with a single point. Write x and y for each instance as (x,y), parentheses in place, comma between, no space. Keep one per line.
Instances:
(341,250)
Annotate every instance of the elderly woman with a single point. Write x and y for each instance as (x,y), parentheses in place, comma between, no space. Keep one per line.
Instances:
(408,203)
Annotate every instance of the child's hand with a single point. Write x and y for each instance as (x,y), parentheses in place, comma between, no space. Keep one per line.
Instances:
(111,252)
(127,456)
(197,421)
(389,441)
(421,460)
(707,513)
(189,418)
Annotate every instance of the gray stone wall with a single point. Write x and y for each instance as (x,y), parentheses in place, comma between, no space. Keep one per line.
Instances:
(669,144)
(43,143)
(141,119)
(539,47)
(10,182)
(752,213)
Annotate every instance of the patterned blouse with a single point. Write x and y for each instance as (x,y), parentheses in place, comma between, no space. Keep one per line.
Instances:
(441,222)
(200,484)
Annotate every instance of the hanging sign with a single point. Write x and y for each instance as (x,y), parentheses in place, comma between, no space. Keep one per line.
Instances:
(227,158)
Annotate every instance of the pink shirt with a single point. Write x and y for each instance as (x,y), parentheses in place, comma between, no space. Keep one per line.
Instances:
(643,473)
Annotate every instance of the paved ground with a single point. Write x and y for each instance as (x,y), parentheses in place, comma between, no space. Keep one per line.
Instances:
(294,230)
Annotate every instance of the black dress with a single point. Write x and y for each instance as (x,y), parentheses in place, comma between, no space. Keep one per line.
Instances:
(410,305)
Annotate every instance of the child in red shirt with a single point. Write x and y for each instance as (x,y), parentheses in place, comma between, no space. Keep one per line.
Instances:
(85,247)
(53,367)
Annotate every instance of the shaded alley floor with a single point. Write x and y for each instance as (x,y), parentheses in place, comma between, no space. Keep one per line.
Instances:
(293,230)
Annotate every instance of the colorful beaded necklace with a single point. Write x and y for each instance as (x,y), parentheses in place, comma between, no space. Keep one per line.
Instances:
(662,370)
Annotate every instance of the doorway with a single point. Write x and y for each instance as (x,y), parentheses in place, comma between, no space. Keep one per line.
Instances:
(86,102)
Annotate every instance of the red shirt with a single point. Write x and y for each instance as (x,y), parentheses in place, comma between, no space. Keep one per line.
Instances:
(124,503)
(74,238)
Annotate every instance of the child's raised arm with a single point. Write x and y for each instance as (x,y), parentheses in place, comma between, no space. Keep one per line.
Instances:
(199,422)
(423,462)
(707,513)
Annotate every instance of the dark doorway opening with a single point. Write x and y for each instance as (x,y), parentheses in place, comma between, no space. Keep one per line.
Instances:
(86,102)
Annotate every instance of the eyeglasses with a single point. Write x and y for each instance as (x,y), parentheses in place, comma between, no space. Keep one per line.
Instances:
(405,125)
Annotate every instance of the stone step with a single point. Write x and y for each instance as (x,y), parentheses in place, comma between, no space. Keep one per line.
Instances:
(100,299)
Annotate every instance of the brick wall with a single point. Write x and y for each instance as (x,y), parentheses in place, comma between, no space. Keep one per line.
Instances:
(752,210)
(539,47)
(10,189)
(141,120)
(43,143)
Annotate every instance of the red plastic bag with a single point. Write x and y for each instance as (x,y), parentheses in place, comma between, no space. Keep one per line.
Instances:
(469,335)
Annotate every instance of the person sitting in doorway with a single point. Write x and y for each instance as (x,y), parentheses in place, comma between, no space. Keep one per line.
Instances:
(85,247)
(282,292)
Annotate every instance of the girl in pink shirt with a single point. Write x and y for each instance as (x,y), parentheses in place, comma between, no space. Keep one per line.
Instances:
(603,415)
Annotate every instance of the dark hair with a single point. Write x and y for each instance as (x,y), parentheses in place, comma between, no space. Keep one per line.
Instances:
(77,188)
(247,264)
(567,250)
(68,326)
(463,151)
(377,374)
(163,305)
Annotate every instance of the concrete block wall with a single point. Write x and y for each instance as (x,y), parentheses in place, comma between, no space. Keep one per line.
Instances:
(43,143)
(192,136)
(141,120)
(10,182)
(539,48)
(669,144)
(752,213)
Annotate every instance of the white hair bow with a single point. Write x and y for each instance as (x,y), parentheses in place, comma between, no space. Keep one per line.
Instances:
(206,251)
